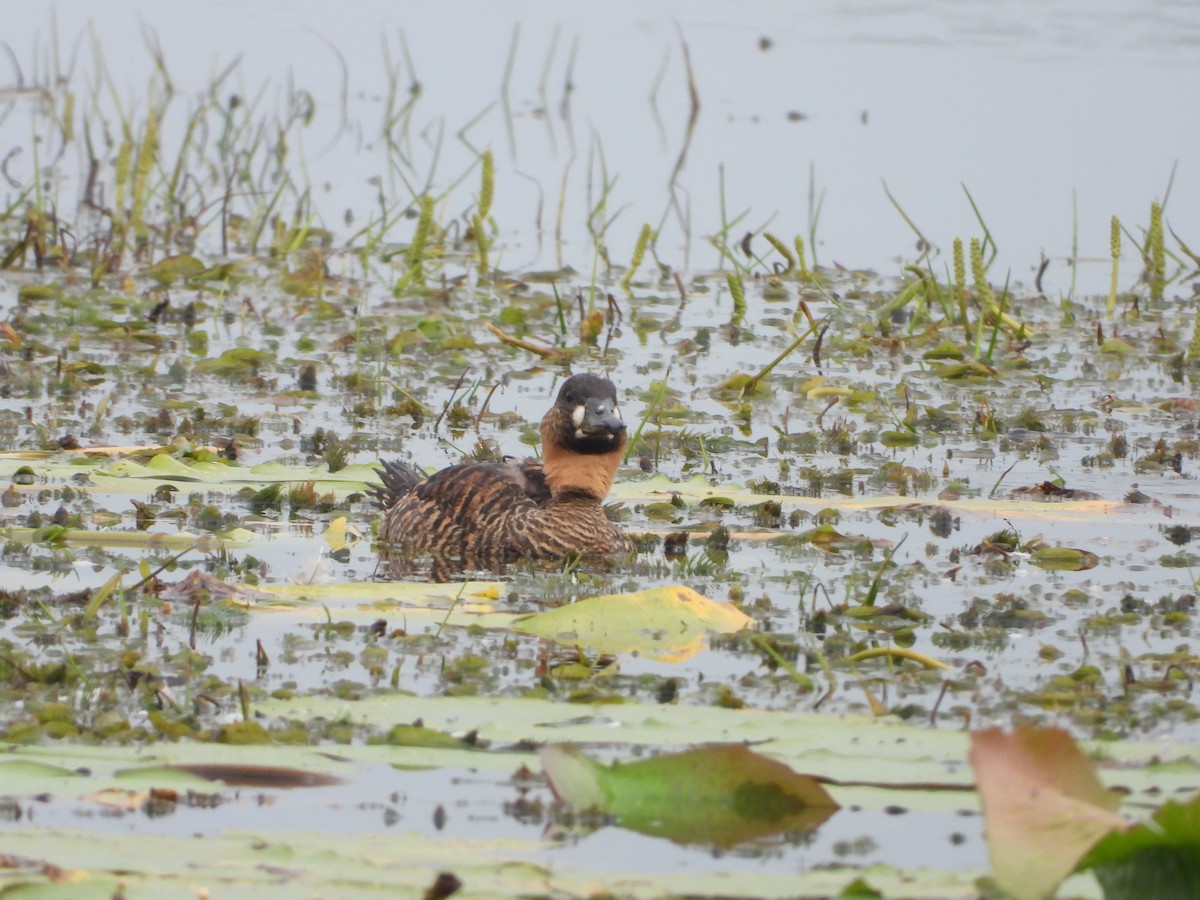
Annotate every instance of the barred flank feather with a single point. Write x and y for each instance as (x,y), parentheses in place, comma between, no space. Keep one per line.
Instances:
(486,514)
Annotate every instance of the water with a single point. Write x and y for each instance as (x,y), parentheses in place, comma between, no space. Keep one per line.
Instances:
(1025,104)
(1054,116)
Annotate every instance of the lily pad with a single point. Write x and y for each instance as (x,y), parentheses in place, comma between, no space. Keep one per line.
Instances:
(712,795)
(1043,804)
(667,623)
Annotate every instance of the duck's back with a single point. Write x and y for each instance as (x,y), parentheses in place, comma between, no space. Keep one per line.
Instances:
(488,513)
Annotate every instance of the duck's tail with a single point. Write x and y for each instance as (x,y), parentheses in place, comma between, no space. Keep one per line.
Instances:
(398,479)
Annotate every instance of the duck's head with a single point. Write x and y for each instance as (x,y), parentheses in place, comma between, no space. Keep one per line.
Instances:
(583,437)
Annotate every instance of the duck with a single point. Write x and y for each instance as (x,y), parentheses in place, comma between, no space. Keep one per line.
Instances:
(487,514)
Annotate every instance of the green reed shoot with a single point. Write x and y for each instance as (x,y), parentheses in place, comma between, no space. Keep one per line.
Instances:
(124,155)
(816,202)
(801,260)
(1156,253)
(558,305)
(920,313)
(766,370)
(481,242)
(933,286)
(960,286)
(987,234)
(639,253)
(907,293)
(877,581)
(559,215)
(983,290)
(999,321)
(922,242)
(1184,248)
(487,187)
(486,192)
(260,217)
(720,240)
(1067,315)
(147,156)
(66,121)
(416,250)
(760,642)
(738,292)
(782,249)
(1114,243)
(650,410)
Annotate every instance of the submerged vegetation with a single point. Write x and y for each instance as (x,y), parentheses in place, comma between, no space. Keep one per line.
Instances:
(942,496)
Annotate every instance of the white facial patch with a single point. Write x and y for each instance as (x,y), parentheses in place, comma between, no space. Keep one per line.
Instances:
(617,412)
(578,414)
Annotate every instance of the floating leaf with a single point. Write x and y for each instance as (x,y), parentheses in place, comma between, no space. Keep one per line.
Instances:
(898,439)
(335,534)
(1043,806)
(175,268)
(1117,347)
(29,293)
(663,623)
(947,349)
(243,775)
(972,369)
(829,538)
(236,362)
(420,736)
(719,795)
(1159,859)
(1064,559)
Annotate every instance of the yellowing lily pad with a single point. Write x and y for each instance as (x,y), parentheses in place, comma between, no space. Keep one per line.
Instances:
(667,623)
(1043,804)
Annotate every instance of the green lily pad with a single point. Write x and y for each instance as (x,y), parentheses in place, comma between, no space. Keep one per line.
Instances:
(719,796)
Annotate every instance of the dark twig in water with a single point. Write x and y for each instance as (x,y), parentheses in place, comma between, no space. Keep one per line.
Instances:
(486,401)
(1037,282)
(613,307)
(683,294)
(195,619)
(1003,475)
(937,703)
(830,405)
(450,401)
(816,355)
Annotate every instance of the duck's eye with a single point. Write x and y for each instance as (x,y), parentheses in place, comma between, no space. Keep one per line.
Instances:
(578,414)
